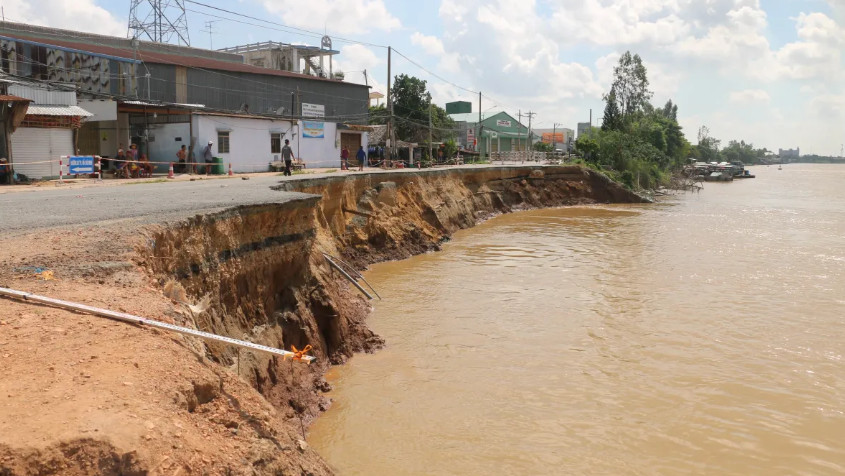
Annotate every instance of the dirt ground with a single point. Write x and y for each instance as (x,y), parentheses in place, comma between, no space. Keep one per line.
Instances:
(85,395)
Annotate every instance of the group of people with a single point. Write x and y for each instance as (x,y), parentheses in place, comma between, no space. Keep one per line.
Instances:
(361,157)
(185,158)
(130,164)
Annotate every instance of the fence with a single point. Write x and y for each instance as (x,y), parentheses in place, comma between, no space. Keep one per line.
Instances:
(527,156)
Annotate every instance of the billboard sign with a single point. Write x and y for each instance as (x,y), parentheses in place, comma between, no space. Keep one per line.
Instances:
(502,123)
(313,110)
(558,137)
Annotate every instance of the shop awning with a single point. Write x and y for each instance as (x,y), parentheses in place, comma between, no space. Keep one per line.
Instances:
(38,110)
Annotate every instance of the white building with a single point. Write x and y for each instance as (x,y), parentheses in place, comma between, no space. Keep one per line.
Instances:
(251,142)
(46,132)
(583,128)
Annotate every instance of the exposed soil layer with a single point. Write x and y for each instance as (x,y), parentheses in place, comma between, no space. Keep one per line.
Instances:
(83,395)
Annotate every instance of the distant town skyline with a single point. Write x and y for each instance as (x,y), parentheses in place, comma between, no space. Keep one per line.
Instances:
(764,72)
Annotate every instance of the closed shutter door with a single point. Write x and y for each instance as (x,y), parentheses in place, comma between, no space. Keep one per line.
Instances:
(30,144)
(61,143)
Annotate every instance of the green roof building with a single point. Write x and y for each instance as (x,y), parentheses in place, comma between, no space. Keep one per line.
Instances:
(498,132)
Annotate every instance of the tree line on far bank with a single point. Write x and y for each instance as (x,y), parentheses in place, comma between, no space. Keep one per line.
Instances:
(642,144)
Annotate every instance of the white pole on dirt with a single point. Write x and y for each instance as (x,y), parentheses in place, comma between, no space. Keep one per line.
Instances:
(121,316)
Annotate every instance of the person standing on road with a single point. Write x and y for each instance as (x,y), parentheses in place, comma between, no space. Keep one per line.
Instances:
(4,172)
(206,156)
(344,159)
(362,157)
(287,154)
(182,156)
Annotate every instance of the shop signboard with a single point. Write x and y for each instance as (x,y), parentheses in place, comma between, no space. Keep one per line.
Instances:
(313,110)
(503,123)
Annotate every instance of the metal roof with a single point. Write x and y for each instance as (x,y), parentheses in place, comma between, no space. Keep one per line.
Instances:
(41,110)
(6,97)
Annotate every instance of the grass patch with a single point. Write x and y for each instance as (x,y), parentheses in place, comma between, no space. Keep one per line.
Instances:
(158,180)
(330,171)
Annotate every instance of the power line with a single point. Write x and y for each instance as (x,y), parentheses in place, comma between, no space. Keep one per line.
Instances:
(434,74)
(301,30)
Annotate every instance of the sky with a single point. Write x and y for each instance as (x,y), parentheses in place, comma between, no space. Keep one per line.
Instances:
(770,72)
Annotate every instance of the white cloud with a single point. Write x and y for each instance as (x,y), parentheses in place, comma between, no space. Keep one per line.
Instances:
(430,44)
(449,61)
(750,96)
(79,15)
(354,59)
(340,16)
(829,108)
(631,22)
(818,53)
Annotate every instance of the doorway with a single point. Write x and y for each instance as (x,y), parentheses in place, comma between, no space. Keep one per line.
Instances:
(351,142)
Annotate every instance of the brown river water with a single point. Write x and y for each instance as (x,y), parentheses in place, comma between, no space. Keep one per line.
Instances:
(700,335)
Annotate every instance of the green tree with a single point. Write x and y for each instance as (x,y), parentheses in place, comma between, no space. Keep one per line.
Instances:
(411,108)
(542,147)
(630,85)
(443,127)
(612,116)
(411,101)
(707,149)
(587,147)
(450,147)
(670,111)
(378,114)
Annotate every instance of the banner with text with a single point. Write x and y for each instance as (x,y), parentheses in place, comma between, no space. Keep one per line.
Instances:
(313,110)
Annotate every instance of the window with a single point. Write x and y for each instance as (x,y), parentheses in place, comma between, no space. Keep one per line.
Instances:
(275,143)
(222,142)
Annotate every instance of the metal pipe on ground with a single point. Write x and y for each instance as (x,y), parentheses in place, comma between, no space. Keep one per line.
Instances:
(357,273)
(346,275)
(121,316)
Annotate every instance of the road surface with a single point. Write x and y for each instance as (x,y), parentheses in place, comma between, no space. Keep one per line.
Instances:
(146,202)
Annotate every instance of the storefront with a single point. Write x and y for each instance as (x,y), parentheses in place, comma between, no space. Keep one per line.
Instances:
(46,133)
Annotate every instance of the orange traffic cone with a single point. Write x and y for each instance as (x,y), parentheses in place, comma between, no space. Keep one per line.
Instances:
(230,170)
(170,172)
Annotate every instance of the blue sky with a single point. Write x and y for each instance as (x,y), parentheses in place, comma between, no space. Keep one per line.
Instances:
(766,71)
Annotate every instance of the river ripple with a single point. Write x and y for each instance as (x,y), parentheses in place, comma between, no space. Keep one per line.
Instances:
(700,335)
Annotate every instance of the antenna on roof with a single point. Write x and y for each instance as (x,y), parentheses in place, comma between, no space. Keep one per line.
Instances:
(161,21)
(209,28)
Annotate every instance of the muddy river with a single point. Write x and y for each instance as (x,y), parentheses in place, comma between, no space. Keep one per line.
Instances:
(704,334)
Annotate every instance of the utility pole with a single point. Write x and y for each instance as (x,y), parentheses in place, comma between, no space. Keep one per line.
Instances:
(530,145)
(298,129)
(430,156)
(390,112)
(591,123)
(554,136)
(519,132)
(478,127)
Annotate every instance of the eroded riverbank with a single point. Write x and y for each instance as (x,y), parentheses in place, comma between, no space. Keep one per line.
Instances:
(258,272)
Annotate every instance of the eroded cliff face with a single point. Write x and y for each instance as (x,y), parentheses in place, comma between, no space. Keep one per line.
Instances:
(377,217)
(264,273)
